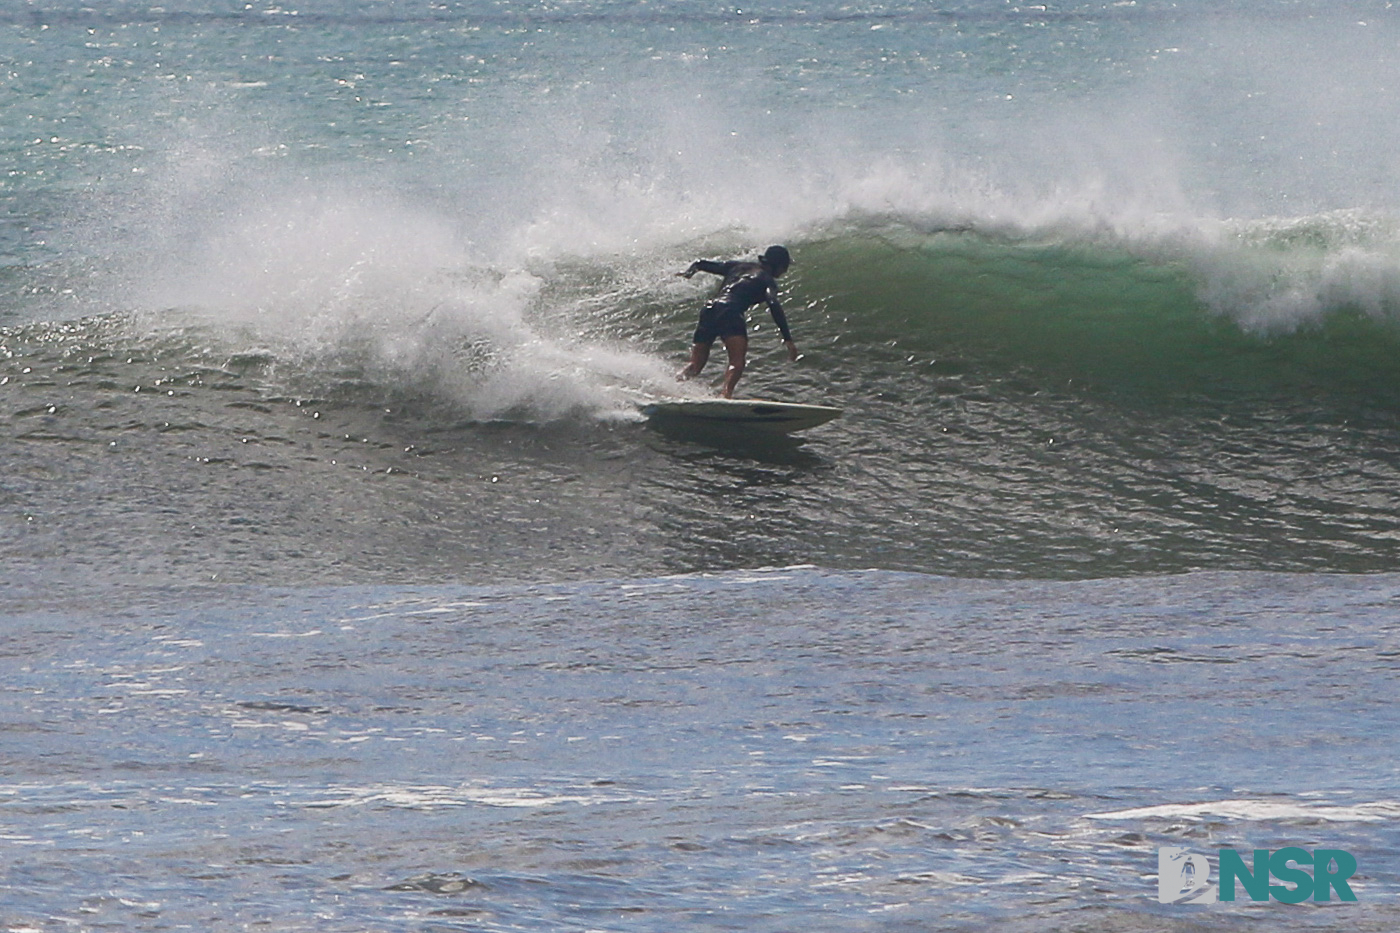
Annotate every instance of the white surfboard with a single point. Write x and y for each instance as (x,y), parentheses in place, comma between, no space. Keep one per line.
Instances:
(760,414)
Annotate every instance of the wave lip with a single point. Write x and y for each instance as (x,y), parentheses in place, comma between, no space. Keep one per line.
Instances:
(1277,276)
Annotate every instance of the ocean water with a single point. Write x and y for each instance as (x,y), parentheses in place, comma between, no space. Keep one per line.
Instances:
(345,589)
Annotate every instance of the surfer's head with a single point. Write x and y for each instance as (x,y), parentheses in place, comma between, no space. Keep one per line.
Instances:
(775,259)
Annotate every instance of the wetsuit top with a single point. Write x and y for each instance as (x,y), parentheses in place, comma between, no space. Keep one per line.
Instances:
(745,285)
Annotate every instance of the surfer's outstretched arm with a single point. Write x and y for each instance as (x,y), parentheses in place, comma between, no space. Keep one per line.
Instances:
(706,265)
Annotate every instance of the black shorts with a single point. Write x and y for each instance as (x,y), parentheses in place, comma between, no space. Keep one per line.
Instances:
(719,323)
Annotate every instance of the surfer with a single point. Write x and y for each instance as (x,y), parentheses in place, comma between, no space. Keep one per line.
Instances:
(745,285)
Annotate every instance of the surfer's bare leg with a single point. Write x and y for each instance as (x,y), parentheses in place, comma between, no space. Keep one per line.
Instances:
(738,347)
(699,356)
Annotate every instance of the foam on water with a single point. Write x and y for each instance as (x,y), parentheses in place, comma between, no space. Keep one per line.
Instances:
(1380,811)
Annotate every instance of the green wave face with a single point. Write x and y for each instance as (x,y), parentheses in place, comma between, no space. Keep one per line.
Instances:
(1158,320)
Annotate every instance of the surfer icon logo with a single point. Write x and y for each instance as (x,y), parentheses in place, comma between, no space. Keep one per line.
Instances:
(1183,877)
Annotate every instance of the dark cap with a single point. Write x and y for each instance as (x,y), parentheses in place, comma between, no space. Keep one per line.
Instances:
(776,258)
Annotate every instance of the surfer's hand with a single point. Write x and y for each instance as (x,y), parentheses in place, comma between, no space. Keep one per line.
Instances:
(792,350)
(689,272)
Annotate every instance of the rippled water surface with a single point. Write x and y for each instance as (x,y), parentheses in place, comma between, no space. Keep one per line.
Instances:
(726,751)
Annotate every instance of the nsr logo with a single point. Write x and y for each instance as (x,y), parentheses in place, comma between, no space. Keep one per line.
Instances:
(1183,876)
